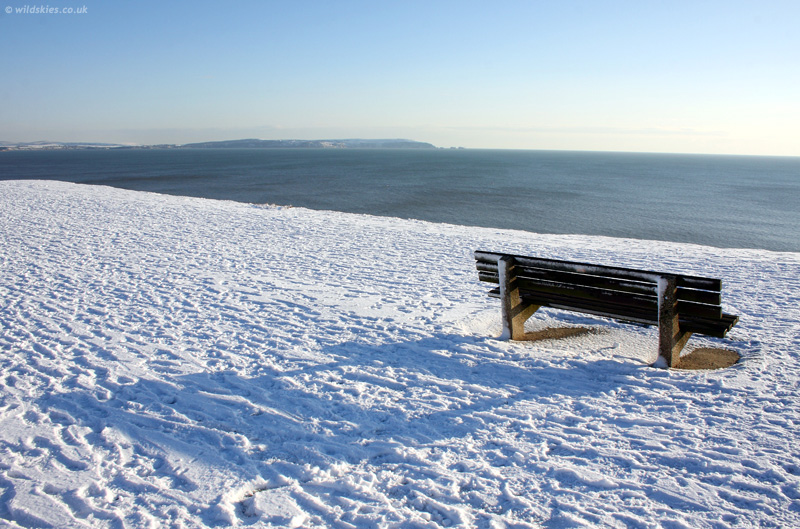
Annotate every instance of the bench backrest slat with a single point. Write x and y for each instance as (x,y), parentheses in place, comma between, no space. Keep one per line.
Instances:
(699,296)
(530,288)
(687,281)
(610,283)
(489,274)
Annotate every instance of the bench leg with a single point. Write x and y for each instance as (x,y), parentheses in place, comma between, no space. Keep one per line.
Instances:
(671,339)
(514,311)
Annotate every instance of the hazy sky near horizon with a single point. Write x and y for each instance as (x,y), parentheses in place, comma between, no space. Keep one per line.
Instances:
(638,75)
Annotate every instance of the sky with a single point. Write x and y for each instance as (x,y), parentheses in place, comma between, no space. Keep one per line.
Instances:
(643,76)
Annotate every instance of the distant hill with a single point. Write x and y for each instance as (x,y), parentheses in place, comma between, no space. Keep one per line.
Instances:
(54,145)
(230,144)
(310,144)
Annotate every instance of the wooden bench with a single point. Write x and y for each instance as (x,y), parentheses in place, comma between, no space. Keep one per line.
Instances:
(679,304)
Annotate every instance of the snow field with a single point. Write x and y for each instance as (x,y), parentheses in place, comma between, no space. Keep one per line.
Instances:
(179,362)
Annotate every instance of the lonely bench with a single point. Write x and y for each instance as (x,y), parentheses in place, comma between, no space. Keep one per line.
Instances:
(679,304)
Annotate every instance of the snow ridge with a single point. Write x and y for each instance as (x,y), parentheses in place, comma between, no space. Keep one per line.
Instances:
(179,362)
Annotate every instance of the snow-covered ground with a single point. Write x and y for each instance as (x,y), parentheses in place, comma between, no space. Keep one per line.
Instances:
(179,362)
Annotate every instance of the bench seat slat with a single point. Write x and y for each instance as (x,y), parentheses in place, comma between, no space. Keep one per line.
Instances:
(715,328)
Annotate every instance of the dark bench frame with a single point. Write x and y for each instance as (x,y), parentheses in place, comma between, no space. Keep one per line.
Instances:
(679,304)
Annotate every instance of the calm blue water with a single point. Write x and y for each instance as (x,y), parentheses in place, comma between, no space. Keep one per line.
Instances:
(724,201)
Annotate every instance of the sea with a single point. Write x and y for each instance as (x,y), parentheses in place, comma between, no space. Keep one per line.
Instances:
(713,200)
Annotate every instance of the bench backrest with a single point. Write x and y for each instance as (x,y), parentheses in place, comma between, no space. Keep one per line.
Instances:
(620,293)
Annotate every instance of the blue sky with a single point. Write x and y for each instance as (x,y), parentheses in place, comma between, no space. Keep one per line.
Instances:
(652,76)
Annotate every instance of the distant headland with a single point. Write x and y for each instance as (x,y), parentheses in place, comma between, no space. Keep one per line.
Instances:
(229,144)
(310,144)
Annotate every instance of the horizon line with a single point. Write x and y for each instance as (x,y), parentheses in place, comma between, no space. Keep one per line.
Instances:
(6,146)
